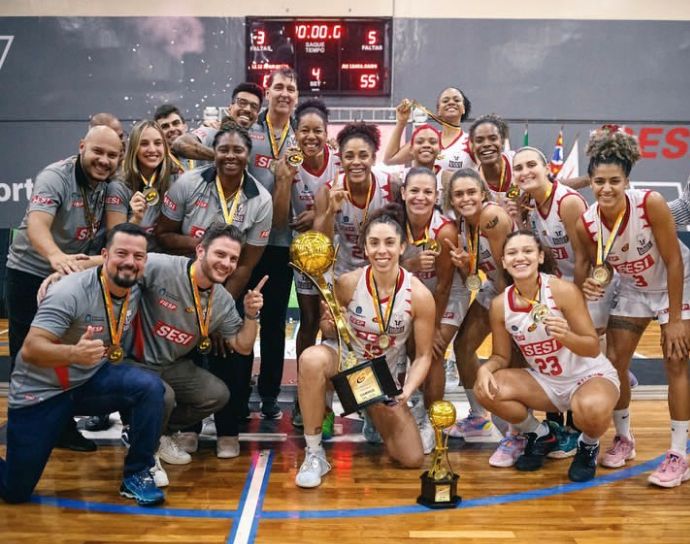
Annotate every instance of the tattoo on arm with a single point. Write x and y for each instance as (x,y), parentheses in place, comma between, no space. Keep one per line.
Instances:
(621,323)
(491,224)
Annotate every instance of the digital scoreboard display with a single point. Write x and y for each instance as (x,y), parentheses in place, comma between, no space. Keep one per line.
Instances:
(330,56)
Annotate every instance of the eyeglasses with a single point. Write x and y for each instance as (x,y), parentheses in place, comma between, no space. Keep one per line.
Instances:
(242,103)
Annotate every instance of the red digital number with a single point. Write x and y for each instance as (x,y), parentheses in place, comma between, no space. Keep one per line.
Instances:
(264,81)
(337,32)
(316,73)
(549,365)
(301,31)
(260,37)
(372,37)
(368,81)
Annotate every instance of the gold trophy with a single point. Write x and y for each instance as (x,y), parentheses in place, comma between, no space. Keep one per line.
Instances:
(358,383)
(439,483)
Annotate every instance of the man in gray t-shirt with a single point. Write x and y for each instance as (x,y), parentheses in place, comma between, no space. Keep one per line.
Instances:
(183,304)
(71,363)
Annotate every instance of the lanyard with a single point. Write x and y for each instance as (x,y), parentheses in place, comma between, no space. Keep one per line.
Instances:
(115,328)
(604,250)
(179,164)
(472,240)
(203,318)
(502,177)
(276,146)
(229,215)
(382,321)
(370,196)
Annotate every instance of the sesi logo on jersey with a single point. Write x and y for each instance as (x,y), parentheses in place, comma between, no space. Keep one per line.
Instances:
(197,232)
(262,161)
(541,348)
(44,200)
(176,336)
(113,200)
(168,202)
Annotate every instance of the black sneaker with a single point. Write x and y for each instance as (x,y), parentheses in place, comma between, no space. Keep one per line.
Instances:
(584,465)
(72,439)
(536,450)
(98,423)
(270,409)
(297,420)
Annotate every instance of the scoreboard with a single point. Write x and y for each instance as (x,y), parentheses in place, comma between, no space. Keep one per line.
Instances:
(330,56)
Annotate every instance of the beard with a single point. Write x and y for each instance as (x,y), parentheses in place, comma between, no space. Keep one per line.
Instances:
(211,274)
(123,281)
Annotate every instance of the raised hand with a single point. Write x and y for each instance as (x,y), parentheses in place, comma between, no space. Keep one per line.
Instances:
(88,351)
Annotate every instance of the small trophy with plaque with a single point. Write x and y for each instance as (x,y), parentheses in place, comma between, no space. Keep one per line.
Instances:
(357,383)
(440,483)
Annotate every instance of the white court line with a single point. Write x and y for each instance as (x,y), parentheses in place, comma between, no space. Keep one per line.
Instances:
(4,331)
(246,520)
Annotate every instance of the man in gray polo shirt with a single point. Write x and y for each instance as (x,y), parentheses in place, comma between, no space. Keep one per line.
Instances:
(183,304)
(72,363)
(61,229)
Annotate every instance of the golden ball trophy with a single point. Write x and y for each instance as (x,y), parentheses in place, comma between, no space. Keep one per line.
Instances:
(357,383)
(440,483)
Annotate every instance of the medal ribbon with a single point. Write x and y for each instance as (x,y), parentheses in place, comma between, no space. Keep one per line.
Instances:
(370,196)
(149,183)
(88,215)
(115,328)
(603,251)
(528,300)
(410,237)
(203,318)
(502,177)
(472,241)
(276,146)
(179,163)
(229,215)
(383,322)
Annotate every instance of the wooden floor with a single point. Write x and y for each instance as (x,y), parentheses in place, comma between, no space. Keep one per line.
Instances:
(363,499)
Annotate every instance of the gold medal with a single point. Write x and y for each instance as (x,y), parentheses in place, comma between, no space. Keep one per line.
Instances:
(151,196)
(204,345)
(350,359)
(432,245)
(295,158)
(513,192)
(115,354)
(539,313)
(384,341)
(473,282)
(602,274)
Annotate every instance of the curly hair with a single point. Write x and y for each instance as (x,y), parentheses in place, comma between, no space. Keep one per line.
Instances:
(607,146)
(229,126)
(491,119)
(368,132)
(313,105)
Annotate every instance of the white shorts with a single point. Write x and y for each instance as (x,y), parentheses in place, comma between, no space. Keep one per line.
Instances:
(304,286)
(486,294)
(561,389)
(458,304)
(600,309)
(633,303)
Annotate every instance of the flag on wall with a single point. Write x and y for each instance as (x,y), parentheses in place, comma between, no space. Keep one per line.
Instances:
(571,166)
(525,137)
(557,158)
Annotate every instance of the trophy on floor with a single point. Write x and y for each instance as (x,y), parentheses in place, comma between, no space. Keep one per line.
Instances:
(440,483)
(358,383)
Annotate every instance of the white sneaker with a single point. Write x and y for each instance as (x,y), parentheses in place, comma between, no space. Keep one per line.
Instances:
(452,376)
(228,447)
(188,442)
(208,427)
(426,431)
(160,477)
(171,453)
(314,466)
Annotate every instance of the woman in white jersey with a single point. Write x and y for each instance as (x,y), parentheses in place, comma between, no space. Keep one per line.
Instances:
(379,299)
(320,165)
(147,173)
(342,207)
(427,256)
(452,107)
(488,135)
(483,226)
(632,231)
(547,318)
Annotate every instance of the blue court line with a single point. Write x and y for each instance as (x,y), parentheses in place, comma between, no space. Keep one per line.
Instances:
(262,494)
(530,494)
(243,499)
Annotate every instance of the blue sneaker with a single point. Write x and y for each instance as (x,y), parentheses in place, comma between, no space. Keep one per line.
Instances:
(567,443)
(142,488)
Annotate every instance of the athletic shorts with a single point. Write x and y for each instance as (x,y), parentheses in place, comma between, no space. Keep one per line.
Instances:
(458,304)
(486,294)
(600,309)
(633,303)
(304,286)
(560,389)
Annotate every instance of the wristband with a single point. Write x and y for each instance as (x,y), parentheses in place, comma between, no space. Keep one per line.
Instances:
(253,318)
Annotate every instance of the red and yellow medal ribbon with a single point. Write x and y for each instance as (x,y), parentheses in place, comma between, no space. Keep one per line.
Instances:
(502,177)
(149,182)
(115,328)
(370,196)
(383,321)
(229,215)
(472,241)
(528,300)
(410,236)
(604,250)
(203,318)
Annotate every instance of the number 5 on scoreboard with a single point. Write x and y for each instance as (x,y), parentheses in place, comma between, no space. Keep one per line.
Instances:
(368,81)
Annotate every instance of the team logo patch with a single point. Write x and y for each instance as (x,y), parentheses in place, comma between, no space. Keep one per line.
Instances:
(264,233)
(358,310)
(113,200)
(43,200)
(174,335)
(168,305)
(625,248)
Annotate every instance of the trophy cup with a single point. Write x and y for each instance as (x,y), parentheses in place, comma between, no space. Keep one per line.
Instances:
(439,483)
(358,383)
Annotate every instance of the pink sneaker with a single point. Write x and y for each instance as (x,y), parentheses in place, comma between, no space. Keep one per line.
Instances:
(672,471)
(473,428)
(509,449)
(622,450)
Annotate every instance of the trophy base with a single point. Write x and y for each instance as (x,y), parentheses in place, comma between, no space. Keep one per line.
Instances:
(439,493)
(367,383)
